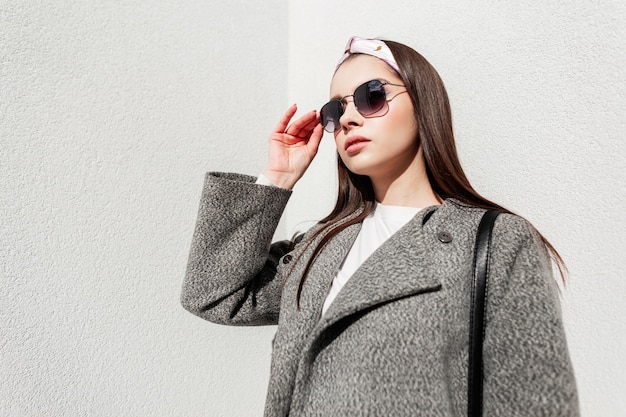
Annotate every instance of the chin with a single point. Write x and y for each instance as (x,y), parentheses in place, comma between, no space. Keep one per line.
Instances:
(359,169)
(357,164)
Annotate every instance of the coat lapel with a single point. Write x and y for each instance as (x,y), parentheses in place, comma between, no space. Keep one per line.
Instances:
(325,269)
(400,267)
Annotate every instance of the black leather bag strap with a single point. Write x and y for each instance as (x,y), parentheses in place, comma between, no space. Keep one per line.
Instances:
(477,315)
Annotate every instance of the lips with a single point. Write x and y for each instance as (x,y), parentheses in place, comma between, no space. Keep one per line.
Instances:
(354,144)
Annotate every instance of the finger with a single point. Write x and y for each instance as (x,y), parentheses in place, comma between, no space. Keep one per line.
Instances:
(315,139)
(303,125)
(304,119)
(304,130)
(284,122)
(311,127)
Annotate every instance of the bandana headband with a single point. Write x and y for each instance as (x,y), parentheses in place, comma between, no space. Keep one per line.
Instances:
(373,47)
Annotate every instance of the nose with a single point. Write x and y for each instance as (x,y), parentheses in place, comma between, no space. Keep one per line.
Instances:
(351,116)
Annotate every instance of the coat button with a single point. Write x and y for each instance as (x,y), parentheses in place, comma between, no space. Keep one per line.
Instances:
(444,237)
(287,259)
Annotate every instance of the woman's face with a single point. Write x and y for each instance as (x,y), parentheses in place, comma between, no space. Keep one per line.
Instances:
(377,146)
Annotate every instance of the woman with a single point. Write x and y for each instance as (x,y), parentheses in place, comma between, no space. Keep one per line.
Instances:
(372,304)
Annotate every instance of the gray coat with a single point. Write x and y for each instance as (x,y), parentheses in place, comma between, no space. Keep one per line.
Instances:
(394,342)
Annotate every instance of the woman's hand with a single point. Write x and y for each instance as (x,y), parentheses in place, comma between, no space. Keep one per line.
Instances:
(293,147)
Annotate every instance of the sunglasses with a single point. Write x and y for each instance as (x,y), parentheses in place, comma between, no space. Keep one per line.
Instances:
(369,98)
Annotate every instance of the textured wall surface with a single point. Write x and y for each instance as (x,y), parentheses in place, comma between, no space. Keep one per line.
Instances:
(111,112)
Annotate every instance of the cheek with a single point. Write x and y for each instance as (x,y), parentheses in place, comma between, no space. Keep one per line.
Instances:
(402,124)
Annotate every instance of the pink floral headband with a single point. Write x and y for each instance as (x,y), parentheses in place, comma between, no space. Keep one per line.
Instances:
(373,47)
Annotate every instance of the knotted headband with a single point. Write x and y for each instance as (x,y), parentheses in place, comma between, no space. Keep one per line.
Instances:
(373,47)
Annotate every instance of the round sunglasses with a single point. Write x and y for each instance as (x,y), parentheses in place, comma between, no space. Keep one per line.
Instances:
(369,98)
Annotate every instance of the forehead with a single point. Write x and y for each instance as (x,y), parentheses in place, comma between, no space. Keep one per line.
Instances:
(356,71)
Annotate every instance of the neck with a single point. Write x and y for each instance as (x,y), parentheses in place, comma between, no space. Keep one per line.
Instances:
(410,188)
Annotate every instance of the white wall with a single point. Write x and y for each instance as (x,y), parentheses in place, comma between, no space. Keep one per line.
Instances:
(110,113)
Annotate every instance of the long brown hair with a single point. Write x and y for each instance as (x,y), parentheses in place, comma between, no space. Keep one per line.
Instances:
(436,138)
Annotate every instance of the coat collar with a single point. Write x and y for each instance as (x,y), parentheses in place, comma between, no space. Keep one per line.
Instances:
(400,267)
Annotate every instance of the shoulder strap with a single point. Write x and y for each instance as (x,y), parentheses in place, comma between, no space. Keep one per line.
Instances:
(477,315)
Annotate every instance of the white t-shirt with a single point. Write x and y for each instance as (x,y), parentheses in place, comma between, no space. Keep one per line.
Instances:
(383,222)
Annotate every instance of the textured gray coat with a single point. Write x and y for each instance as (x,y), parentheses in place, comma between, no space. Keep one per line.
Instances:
(394,342)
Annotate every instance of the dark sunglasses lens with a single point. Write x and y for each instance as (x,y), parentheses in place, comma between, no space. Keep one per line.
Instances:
(330,115)
(370,97)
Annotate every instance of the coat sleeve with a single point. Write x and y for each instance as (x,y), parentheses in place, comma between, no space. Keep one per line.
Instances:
(231,274)
(527,369)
